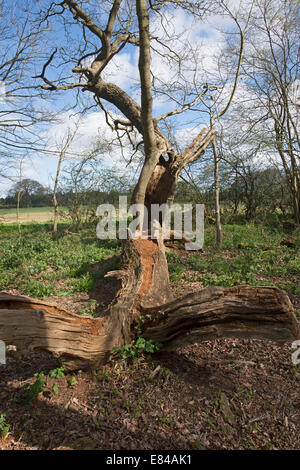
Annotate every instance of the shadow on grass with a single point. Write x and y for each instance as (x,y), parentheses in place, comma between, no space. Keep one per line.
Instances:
(103,290)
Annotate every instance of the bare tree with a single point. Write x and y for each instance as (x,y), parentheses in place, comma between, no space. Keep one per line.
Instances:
(271,71)
(207,314)
(19,198)
(215,115)
(63,148)
(22,113)
(20,41)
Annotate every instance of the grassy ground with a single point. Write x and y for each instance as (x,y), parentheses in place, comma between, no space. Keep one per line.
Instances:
(26,210)
(39,266)
(28,214)
(225,394)
(68,269)
(252,255)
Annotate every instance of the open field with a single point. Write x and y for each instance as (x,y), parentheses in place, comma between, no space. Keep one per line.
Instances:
(30,214)
(224,394)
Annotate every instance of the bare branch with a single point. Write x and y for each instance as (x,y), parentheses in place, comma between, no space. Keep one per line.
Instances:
(80,13)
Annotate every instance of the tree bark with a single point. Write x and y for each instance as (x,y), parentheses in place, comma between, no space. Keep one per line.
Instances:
(219,236)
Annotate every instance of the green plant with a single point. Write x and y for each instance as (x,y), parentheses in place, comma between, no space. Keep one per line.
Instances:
(167,372)
(104,375)
(197,445)
(4,427)
(137,349)
(35,264)
(249,443)
(37,289)
(269,446)
(165,420)
(209,420)
(55,390)
(57,373)
(255,428)
(175,271)
(90,309)
(84,283)
(140,321)
(33,390)
(126,405)
(136,412)
(217,398)
(72,381)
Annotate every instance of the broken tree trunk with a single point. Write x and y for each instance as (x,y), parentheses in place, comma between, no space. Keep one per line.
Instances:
(214,312)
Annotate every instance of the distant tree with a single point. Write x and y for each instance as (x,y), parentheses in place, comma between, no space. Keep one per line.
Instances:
(32,193)
(257,191)
(271,73)
(86,184)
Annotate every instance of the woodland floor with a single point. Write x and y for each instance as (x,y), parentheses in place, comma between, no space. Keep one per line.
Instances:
(224,394)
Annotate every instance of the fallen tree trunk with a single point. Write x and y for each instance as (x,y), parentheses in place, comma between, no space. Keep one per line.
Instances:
(218,312)
(214,312)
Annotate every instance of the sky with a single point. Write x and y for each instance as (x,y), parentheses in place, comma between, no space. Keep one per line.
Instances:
(208,42)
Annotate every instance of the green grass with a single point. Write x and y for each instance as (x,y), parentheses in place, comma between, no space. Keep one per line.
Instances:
(40,266)
(249,255)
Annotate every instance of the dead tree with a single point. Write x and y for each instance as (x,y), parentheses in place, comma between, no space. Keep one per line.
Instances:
(243,312)
(211,313)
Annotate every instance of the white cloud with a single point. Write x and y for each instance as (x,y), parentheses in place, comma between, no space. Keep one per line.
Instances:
(2,91)
(90,128)
(93,129)
(185,136)
(123,70)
